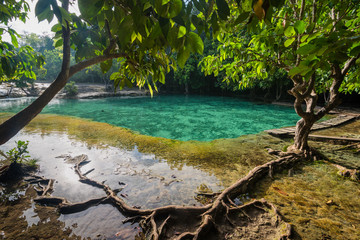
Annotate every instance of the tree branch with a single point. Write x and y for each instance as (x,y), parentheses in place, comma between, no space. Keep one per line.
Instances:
(87,63)
(349,64)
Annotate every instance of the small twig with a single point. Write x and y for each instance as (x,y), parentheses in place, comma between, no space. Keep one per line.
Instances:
(88,172)
(271,172)
(207,194)
(49,187)
(230,201)
(160,230)
(246,215)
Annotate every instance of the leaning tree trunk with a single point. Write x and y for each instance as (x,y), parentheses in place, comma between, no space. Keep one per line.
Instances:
(12,126)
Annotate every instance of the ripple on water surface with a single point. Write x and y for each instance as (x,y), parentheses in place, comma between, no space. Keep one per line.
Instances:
(202,118)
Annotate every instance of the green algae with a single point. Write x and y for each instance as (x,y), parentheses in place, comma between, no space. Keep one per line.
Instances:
(340,154)
(316,201)
(227,159)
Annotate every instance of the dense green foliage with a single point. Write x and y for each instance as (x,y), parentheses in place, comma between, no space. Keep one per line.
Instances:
(302,37)
(71,89)
(15,61)
(316,43)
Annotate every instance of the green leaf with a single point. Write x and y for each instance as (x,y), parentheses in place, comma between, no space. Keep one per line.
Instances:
(14,40)
(223,9)
(126,30)
(289,31)
(299,70)
(182,31)
(242,17)
(196,43)
(101,20)
(5,65)
(168,10)
(306,49)
(90,8)
(289,42)
(300,26)
(41,6)
(304,37)
(56,28)
(114,76)
(47,14)
(128,83)
(59,43)
(355,51)
(247,5)
(150,89)
(182,57)
(163,2)
(65,16)
(105,66)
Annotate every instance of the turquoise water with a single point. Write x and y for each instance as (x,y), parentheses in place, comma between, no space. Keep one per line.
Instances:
(202,118)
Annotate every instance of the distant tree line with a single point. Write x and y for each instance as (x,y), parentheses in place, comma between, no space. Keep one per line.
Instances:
(189,80)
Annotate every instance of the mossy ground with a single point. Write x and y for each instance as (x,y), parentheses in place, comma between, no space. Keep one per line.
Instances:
(301,198)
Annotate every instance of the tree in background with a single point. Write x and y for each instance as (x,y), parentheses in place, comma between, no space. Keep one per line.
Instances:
(15,61)
(316,42)
(190,78)
(140,34)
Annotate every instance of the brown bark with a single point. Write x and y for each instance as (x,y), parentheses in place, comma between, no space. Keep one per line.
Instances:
(302,132)
(304,92)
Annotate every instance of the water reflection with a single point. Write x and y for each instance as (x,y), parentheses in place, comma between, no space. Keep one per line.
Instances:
(149,181)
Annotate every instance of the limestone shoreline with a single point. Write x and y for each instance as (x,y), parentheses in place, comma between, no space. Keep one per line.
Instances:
(85,91)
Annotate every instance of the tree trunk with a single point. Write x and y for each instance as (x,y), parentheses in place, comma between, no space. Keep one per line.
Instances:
(26,92)
(302,132)
(12,126)
(186,88)
(278,91)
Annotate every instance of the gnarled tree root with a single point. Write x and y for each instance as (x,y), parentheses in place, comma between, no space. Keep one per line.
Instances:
(220,220)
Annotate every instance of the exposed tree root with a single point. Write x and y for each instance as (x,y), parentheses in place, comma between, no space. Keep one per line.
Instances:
(353,174)
(43,186)
(222,219)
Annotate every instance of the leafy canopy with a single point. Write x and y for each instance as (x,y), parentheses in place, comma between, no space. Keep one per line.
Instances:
(15,61)
(302,37)
(143,32)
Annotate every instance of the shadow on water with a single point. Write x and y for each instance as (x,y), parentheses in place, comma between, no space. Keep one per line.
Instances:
(159,171)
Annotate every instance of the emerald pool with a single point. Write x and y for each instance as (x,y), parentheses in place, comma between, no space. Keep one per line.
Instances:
(202,118)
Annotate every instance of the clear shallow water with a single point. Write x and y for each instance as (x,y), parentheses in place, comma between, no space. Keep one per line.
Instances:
(202,118)
(150,182)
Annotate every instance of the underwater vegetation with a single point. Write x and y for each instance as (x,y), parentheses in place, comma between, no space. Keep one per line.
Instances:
(317,202)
